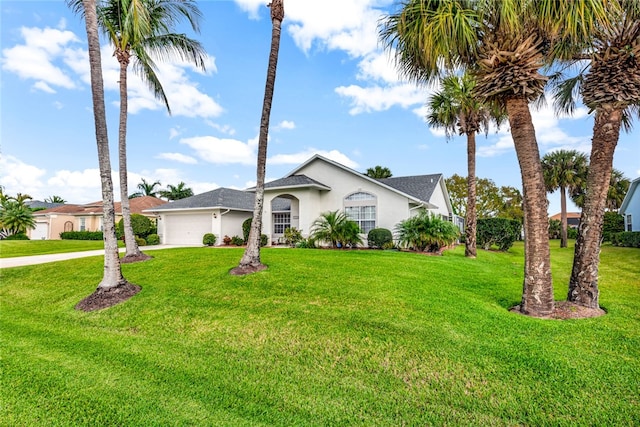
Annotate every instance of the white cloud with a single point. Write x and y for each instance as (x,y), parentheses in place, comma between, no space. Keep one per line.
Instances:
(285,124)
(178,157)
(19,177)
(377,98)
(226,129)
(223,150)
(301,157)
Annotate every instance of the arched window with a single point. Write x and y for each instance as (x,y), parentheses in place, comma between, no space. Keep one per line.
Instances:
(68,226)
(360,207)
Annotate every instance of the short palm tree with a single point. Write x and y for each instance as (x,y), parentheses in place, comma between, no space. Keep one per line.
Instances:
(112,274)
(564,170)
(504,44)
(250,261)
(176,192)
(610,87)
(139,30)
(379,172)
(336,229)
(147,189)
(15,217)
(458,110)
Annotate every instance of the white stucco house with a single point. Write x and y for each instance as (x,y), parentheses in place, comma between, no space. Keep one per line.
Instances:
(318,185)
(630,208)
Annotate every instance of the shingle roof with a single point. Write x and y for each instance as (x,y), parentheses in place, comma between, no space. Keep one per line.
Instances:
(419,186)
(137,206)
(226,198)
(295,181)
(37,204)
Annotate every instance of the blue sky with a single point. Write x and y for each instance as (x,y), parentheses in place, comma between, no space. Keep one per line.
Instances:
(337,94)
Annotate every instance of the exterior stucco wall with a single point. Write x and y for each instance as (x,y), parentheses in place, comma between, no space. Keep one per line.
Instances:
(231,224)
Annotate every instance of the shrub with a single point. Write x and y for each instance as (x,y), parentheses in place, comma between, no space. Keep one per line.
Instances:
(140,241)
(555,229)
(613,223)
(81,235)
(572,233)
(226,240)
(153,239)
(209,239)
(292,236)
(379,237)
(237,241)
(306,244)
(142,226)
(426,232)
(264,240)
(501,232)
(389,245)
(17,236)
(628,239)
(246,229)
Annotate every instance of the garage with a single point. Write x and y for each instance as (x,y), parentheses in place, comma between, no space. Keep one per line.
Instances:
(41,232)
(185,229)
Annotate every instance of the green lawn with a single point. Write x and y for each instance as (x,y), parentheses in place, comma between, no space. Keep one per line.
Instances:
(320,338)
(14,248)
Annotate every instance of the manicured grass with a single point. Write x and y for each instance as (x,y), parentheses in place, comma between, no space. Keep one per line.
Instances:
(320,338)
(14,248)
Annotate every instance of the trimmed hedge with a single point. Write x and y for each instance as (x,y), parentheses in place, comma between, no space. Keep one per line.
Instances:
(153,239)
(142,226)
(379,237)
(17,236)
(627,239)
(501,232)
(209,239)
(81,235)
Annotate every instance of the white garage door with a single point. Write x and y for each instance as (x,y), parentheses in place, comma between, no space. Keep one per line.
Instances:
(186,229)
(40,232)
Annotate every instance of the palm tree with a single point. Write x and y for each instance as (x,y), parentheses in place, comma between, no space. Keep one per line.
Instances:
(504,44)
(177,192)
(15,217)
(112,278)
(564,170)
(618,187)
(250,261)
(379,172)
(138,30)
(610,87)
(146,189)
(459,111)
(335,228)
(55,199)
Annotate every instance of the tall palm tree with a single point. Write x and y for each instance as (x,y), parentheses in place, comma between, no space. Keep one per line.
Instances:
(176,192)
(379,172)
(55,199)
(250,261)
(458,110)
(112,278)
(504,44)
(146,189)
(564,170)
(139,30)
(610,87)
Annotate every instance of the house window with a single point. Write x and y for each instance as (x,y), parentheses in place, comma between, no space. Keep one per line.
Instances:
(361,208)
(281,221)
(68,226)
(83,224)
(629,227)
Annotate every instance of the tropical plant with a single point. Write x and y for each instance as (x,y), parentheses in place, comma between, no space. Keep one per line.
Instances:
(618,187)
(250,261)
(112,274)
(504,44)
(15,218)
(336,229)
(426,232)
(458,110)
(140,30)
(292,236)
(55,199)
(146,189)
(379,172)
(609,84)
(177,192)
(564,170)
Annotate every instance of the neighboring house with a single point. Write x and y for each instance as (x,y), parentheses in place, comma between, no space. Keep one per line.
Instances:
(630,208)
(573,219)
(68,217)
(37,204)
(319,185)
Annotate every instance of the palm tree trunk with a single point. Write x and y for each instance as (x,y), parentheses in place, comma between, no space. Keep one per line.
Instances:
(583,284)
(251,258)
(112,275)
(537,292)
(563,217)
(129,238)
(470,232)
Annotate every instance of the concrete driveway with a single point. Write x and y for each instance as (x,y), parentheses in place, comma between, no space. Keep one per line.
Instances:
(41,259)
